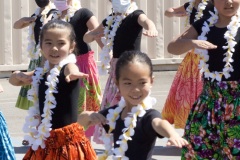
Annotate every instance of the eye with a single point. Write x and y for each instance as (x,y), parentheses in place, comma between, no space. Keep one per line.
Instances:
(48,43)
(127,83)
(143,83)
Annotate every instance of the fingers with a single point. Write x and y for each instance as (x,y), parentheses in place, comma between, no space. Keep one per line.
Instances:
(202,44)
(179,142)
(72,77)
(151,33)
(97,118)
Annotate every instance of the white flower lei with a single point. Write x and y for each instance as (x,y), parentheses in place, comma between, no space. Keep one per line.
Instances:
(113,22)
(130,123)
(76,5)
(201,7)
(38,134)
(33,50)
(229,36)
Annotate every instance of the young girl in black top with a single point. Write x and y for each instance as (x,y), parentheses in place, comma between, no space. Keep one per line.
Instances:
(51,125)
(135,125)
(83,20)
(122,32)
(212,127)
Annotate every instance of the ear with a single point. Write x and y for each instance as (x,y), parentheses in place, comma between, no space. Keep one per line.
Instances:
(72,47)
(152,79)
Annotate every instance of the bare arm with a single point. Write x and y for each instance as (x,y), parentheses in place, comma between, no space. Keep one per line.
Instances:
(23,22)
(93,24)
(96,33)
(88,118)
(175,12)
(19,78)
(148,25)
(72,72)
(187,41)
(165,129)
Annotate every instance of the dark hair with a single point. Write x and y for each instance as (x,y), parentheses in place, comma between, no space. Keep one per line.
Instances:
(58,24)
(42,3)
(132,56)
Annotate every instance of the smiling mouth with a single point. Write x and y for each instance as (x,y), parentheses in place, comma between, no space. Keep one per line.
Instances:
(136,97)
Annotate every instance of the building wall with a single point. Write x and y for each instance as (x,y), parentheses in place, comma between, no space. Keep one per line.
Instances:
(13,43)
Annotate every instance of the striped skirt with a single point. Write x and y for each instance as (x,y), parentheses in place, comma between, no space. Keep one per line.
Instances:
(67,143)
(213,125)
(6,147)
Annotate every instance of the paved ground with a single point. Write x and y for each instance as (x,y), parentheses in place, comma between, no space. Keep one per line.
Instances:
(15,116)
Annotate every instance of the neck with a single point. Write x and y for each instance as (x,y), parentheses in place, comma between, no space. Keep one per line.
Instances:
(223,21)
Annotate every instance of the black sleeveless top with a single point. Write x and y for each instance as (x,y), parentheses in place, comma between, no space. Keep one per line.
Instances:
(79,24)
(206,14)
(128,35)
(66,111)
(216,56)
(38,25)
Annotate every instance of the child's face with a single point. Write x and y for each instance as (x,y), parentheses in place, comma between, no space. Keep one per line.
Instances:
(227,8)
(56,45)
(134,83)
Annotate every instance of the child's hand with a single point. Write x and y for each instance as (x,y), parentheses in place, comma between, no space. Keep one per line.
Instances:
(74,76)
(97,118)
(177,141)
(151,33)
(23,77)
(202,44)
(98,35)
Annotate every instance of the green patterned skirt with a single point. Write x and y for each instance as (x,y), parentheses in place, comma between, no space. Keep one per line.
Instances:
(22,101)
(213,126)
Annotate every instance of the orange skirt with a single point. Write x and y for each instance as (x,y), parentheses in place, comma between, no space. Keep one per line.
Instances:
(186,87)
(67,143)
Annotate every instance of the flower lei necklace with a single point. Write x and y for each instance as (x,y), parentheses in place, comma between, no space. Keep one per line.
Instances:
(113,22)
(130,123)
(229,36)
(38,133)
(32,49)
(76,5)
(201,7)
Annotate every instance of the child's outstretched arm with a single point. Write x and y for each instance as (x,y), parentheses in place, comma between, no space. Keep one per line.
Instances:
(88,118)
(19,78)
(176,12)
(72,72)
(148,25)
(165,129)
(187,41)
(23,22)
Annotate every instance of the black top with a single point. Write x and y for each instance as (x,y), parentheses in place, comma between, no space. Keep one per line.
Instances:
(66,110)
(79,23)
(128,35)
(38,25)
(216,36)
(143,141)
(206,14)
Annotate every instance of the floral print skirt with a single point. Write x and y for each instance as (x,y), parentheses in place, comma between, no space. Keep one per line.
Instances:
(213,126)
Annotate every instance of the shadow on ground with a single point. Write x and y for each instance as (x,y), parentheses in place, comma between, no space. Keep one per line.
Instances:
(166,151)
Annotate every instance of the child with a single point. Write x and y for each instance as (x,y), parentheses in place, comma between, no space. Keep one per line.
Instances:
(123,31)
(41,16)
(212,127)
(6,147)
(133,123)
(187,83)
(55,90)
(82,20)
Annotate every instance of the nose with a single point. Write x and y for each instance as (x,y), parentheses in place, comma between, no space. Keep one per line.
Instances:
(54,48)
(229,2)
